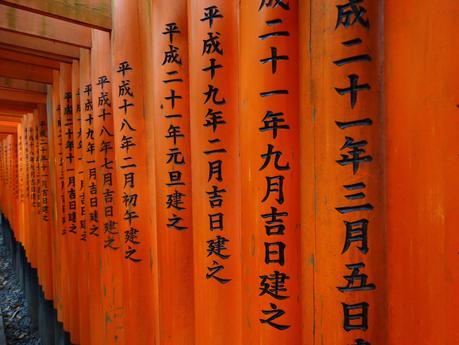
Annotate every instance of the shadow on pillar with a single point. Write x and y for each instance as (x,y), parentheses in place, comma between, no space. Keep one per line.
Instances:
(42,313)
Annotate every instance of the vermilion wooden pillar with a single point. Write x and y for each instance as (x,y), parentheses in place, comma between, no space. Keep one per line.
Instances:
(131,172)
(345,113)
(20,230)
(80,246)
(45,202)
(15,177)
(421,99)
(171,124)
(214,123)
(270,172)
(30,221)
(88,285)
(146,27)
(308,162)
(58,205)
(35,195)
(109,205)
(71,230)
(73,187)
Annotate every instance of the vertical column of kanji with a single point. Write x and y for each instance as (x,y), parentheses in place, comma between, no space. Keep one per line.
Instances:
(51,200)
(131,172)
(172,147)
(349,254)
(25,221)
(270,171)
(20,229)
(28,203)
(59,227)
(45,221)
(13,201)
(37,202)
(422,121)
(15,176)
(42,253)
(68,186)
(14,172)
(214,124)
(74,218)
(8,206)
(35,193)
(34,230)
(11,182)
(6,186)
(110,202)
(91,317)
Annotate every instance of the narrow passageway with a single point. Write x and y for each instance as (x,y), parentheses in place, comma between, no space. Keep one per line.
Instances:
(14,308)
(229,172)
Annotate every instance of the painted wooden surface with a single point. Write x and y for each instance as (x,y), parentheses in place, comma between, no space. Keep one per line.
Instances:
(254,172)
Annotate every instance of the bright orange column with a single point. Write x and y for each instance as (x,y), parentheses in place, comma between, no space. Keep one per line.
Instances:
(58,204)
(19,232)
(421,103)
(146,28)
(89,283)
(214,124)
(29,215)
(35,195)
(45,204)
(74,216)
(109,204)
(270,172)
(345,111)
(80,266)
(131,172)
(15,174)
(172,153)
(69,198)
(308,161)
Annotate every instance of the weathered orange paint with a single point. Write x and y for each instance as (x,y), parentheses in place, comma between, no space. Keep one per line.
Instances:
(138,233)
(327,107)
(109,203)
(258,77)
(66,113)
(20,70)
(175,247)
(83,272)
(421,98)
(217,303)
(52,29)
(59,221)
(45,204)
(72,187)
(34,44)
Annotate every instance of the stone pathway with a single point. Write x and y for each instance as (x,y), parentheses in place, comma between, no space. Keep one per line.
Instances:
(13,306)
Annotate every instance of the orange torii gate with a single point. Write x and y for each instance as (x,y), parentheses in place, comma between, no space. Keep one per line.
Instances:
(234,172)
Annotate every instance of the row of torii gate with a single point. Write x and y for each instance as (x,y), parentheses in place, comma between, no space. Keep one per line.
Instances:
(235,172)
